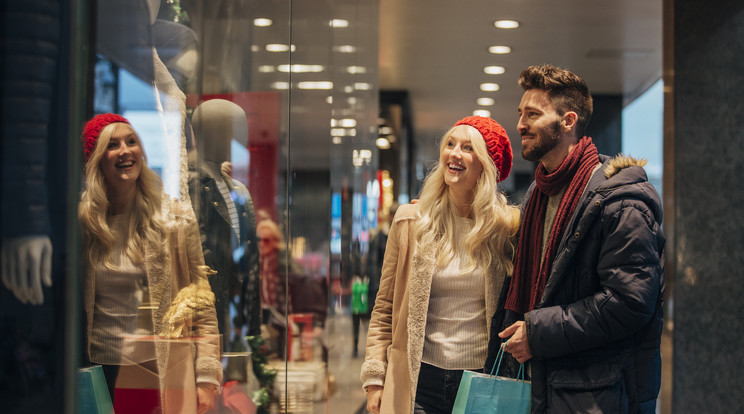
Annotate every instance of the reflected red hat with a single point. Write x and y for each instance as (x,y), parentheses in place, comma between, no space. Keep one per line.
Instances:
(497,142)
(93,129)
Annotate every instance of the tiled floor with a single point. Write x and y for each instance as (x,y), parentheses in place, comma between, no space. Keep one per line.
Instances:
(347,396)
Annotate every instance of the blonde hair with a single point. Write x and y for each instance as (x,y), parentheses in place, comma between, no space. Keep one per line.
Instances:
(94,212)
(495,222)
(273,230)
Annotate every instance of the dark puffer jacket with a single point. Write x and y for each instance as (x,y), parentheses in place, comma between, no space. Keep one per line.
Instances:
(595,336)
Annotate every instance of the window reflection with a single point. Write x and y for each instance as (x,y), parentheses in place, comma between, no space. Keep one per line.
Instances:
(286,205)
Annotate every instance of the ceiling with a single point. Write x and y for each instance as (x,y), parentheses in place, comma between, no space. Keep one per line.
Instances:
(437,49)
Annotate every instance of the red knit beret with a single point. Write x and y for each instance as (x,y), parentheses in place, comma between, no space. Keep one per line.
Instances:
(497,142)
(93,129)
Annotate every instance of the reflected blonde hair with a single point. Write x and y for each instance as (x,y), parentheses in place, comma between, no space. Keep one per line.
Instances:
(273,229)
(145,221)
(495,222)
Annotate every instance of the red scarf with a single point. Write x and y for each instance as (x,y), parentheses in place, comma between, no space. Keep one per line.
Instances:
(530,277)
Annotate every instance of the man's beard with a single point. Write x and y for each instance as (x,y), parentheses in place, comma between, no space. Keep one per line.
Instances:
(545,140)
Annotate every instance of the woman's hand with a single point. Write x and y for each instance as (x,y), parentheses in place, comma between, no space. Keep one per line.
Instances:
(374,397)
(205,397)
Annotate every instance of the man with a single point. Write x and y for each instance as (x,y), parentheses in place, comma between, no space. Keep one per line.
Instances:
(584,306)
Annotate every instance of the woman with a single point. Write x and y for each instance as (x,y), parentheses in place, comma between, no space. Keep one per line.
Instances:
(141,248)
(445,263)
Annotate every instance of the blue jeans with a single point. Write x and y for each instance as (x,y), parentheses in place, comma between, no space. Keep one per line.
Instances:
(436,390)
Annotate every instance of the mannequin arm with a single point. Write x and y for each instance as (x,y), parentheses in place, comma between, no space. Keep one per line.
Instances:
(26,265)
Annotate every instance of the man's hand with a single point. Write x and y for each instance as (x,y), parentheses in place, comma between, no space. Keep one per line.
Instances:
(517,345)
(374,397)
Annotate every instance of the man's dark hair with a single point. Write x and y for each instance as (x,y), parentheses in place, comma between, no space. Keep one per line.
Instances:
(567,91)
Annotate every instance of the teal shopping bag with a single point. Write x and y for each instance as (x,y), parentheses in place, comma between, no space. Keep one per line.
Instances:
(461,401)
(93,395)
(499,395)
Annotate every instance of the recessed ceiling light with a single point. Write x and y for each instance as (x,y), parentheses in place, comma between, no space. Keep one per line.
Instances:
(339,23)
(494,70)
(499,50)
(298,68)
(344,49)
(356,69)
(315,85)
(382,143)
(489,87)
(262,22)
(278,47)
(482,112)
(506,24)
(485,101)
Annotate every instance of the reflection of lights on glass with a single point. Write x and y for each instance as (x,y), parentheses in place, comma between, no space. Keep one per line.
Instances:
(351,100)
(382,143)
(266,69)
(262,22)
(356,69)
(315,85)
(279,47)
(348,89)
(347,123)
(506,24)
(298,247)
(336,140)
(329,99)
(343,132)
(489,87)
(344,49)
(255,48)
(494,70)
(482,112)
(387,182)
(386,130)
(486,101)
(297,68)
(339,23)
(361,157)
(280,85)
(362,86)
(499,50)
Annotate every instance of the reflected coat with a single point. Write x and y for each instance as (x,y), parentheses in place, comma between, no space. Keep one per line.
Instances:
(236,266)
(170,268)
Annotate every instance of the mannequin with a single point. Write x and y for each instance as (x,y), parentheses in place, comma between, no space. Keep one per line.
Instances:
(226,218)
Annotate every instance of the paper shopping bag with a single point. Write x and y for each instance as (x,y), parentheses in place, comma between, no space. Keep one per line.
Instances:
(492,394)
(461,401)
(93,394)
(497,395)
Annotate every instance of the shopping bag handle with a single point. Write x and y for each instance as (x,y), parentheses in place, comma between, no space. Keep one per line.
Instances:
(497,363)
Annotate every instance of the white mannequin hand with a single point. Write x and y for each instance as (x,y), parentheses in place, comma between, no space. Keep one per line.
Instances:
(26,265)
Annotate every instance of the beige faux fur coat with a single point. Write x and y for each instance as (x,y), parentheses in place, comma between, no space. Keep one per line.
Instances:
(177,267)
(395,339)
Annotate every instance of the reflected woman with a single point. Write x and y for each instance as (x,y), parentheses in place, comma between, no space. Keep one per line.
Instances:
(140,246)
(446,260)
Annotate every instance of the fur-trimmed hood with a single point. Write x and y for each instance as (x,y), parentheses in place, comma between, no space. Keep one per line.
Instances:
(620,162)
